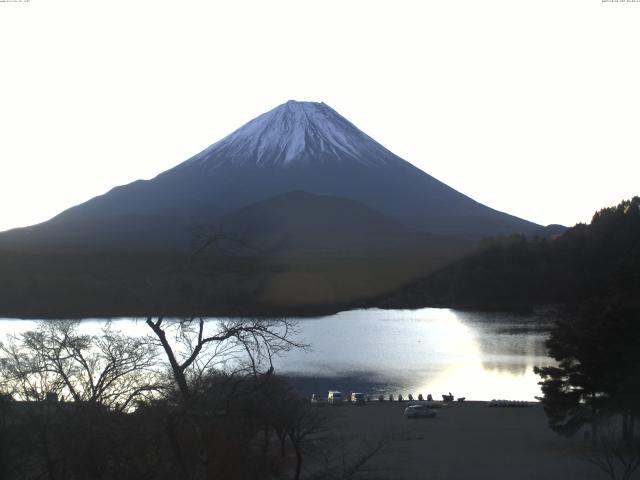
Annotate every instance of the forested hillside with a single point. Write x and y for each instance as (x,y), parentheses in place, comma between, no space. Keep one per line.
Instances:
(598,260)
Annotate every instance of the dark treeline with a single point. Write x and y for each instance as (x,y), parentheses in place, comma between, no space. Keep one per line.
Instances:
(598,260)
(44,285)
(76,285)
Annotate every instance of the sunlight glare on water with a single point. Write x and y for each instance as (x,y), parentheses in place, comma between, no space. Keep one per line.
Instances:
(425,351)
(476,355)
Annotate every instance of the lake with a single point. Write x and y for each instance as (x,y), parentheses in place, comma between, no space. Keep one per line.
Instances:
(477,355)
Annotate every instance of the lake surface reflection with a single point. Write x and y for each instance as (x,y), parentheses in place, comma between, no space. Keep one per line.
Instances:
(476,355)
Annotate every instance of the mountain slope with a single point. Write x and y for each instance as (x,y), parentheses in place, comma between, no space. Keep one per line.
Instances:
(300,146)
(304,222)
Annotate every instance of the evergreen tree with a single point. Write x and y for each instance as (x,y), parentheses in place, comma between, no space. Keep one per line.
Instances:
(598,370)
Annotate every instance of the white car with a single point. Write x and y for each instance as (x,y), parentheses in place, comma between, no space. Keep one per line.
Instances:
(334,397)
(419,411)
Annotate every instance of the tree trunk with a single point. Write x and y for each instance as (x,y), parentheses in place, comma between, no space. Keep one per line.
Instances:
(594,420)
(172,435)
(44,438)
(626,440)
(267,440)
(178,372)
(298,460)
(283,439)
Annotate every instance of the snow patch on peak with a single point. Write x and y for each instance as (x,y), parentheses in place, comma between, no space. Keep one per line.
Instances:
(296,131)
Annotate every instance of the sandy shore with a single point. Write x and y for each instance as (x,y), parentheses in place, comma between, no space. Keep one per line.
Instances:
(466,441)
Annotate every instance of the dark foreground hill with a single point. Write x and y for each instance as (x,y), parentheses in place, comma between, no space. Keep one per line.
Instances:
(38,285)
(306,223)
(600,260)
(297,253)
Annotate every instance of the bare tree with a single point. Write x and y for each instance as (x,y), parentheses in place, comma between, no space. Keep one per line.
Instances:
(104,375)
(194,347)
(618,458)
(55,360)
(207,237)
(306,424)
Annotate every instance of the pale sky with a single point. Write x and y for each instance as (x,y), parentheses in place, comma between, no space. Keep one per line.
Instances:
(528,106)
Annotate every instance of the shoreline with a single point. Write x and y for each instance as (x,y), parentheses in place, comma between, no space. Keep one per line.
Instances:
(306,386)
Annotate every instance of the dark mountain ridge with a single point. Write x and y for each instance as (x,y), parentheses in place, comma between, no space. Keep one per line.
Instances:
(298,146)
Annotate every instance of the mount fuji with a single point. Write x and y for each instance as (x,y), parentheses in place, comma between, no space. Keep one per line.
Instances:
(303,147)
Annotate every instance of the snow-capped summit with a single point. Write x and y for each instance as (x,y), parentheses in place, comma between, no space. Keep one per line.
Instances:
(296,132)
